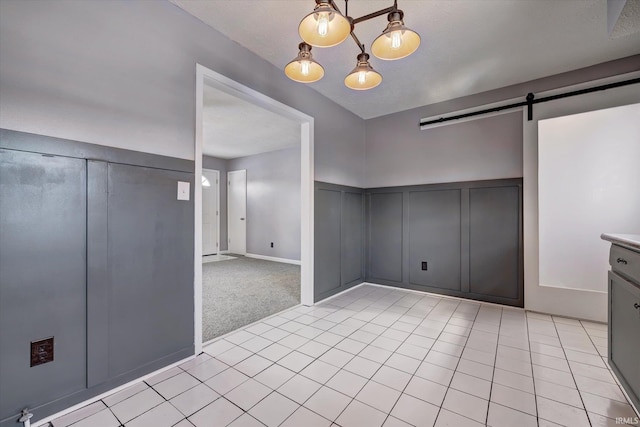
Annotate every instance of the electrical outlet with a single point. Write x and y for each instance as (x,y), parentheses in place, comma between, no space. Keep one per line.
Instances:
(271,244)
(41,351)
(424,265)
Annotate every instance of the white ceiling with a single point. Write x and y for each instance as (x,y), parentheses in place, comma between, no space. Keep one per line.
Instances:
(235,128)
(468,46)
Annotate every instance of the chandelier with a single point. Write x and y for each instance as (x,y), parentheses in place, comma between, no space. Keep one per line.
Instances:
(326,26)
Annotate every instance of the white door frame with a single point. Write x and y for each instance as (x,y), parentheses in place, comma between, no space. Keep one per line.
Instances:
(232,87)
(229,211)
(217,184)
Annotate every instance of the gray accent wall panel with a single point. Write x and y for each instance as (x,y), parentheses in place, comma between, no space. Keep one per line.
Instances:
(97,274)
(494,237)
(339,239)
(327,241)
(469,233)
(434,237)
(42,277)
(104,267)
(352,237)
(150,266)
(385,236)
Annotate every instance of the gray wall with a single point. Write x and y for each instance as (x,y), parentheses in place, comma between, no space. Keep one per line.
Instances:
(273,202)
(399,153)
(122,73)
(209,162)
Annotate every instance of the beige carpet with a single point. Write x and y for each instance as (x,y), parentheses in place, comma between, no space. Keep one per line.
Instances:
(243,290)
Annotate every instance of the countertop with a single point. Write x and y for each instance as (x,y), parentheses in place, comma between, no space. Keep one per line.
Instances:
(631,241)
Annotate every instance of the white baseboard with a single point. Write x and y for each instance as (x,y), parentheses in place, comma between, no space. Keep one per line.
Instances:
(272,258)
(224,252)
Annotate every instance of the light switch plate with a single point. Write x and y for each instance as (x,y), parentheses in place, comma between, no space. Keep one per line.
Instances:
(183,190)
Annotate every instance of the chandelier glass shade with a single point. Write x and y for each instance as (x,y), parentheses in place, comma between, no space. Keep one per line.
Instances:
(363,76)
(326,26)
(304,68)
(396,41)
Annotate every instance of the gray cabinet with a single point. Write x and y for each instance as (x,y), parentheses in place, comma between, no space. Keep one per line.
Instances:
(624,319)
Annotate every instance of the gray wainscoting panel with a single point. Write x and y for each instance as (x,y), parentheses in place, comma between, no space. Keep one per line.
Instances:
(97,277)
(150,266)
(339,238)
(469,233)
(385,236)
(327,241)
(494,241)
(105,266)
(352,237)
(42,277)
(434,238)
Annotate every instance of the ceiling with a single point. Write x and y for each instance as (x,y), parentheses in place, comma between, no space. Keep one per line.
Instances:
(235,128)
(468,46)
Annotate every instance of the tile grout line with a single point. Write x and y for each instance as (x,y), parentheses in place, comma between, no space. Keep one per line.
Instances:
(533,378)
(571,371)
(495,358)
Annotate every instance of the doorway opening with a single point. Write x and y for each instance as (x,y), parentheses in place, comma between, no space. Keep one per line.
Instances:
(275,184)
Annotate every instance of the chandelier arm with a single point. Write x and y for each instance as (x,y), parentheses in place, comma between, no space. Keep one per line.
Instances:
(376,14)
(335,6)
(355,39)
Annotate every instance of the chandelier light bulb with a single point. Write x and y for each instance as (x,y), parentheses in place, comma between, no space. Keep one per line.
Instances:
(304,67)
(323,24)
(362,77)
(396,39)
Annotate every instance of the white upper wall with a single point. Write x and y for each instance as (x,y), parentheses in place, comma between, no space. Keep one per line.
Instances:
(122,74)
(399,153)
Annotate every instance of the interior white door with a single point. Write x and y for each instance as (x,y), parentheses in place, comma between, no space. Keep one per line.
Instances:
(237,211)
(210,211)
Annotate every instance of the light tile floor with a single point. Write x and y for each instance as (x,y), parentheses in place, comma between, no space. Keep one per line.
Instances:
(377,356)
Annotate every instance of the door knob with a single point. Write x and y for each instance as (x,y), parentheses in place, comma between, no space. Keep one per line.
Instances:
(636,306)
(241,219)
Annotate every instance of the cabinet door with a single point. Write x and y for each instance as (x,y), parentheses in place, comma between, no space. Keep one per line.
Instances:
(42,277)
(624,333)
